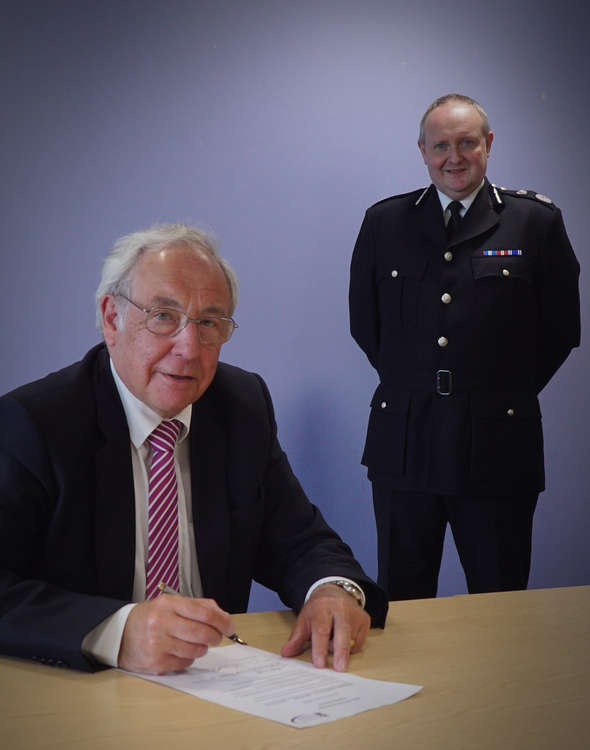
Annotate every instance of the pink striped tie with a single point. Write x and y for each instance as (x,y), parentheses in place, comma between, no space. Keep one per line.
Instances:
(162,562)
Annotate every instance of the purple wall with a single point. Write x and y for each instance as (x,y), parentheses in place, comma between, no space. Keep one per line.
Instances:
(277,124)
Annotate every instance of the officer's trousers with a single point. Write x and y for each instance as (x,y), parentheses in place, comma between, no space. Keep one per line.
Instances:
(492,536)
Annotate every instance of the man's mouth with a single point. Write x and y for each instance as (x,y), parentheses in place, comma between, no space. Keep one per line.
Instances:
(180,378)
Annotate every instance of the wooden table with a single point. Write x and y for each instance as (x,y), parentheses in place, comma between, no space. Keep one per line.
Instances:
(508,671)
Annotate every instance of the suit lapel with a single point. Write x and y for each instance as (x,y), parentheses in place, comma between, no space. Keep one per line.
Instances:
(430,225)
(211,516)
(115,496)
(479,218)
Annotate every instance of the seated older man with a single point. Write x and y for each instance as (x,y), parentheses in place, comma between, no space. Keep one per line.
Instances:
(148,463)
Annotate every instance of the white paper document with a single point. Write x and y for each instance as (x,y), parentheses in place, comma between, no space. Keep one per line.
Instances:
(289,691)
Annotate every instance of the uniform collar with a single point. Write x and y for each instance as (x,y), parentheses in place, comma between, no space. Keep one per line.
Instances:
(465,202)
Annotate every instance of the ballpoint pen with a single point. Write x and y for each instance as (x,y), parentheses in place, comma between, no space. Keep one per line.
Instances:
(165,589)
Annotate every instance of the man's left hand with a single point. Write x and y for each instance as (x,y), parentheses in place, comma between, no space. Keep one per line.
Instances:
(333,621)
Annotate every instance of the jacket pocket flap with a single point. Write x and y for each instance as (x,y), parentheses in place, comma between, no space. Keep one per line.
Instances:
(387,401)
(506,267)
(505,405)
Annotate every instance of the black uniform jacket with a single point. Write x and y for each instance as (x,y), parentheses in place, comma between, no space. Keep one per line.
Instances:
(67,528)
(463,335)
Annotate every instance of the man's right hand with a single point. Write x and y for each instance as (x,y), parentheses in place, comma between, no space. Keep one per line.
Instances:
(168,633)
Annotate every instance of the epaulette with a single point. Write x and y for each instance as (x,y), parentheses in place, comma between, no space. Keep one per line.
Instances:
(418,193)
(498,192)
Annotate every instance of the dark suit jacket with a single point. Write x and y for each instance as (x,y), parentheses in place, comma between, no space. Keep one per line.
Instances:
(67,528)
(511,322)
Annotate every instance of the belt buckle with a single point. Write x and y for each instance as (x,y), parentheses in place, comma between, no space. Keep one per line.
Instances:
(444,382)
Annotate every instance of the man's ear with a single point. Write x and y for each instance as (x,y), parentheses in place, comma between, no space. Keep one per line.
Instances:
(422,150)
(111,319)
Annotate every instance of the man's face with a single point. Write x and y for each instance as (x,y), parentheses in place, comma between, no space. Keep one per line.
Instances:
(455,149)
(166,373)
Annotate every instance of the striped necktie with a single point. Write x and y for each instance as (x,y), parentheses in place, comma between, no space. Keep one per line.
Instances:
(162,557)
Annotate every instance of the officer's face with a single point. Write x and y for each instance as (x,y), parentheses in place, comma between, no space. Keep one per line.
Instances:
(455,149)
(167,373)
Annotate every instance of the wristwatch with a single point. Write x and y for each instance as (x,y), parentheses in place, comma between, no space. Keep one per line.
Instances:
(352,589)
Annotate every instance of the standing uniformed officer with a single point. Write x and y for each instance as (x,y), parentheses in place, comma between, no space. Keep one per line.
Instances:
(464,297)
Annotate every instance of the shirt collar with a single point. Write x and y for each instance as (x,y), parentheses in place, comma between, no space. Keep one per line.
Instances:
(465,202)
(141,419)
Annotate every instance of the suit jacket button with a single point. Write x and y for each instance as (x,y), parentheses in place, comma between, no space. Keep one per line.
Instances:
(383,404)
(394,273)
(505,272)
(448,256)
(446,298)
(443,341)
(510,412)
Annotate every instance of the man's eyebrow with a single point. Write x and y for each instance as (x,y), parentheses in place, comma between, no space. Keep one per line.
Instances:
(214,310)
(159,301)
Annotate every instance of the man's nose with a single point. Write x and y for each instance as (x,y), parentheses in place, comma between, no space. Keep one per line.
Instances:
(187,342)
(454,153)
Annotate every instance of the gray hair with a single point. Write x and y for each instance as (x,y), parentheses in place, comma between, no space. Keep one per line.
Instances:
(485,124)
(118,267)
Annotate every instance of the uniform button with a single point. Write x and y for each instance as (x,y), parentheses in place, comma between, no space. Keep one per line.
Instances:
(510,412)
(383,404)
(448,256)
(443,341)
(446,298)
(394,274)
(505,272)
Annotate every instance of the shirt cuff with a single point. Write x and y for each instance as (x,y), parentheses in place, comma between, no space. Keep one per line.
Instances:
(104,641)
(332,579)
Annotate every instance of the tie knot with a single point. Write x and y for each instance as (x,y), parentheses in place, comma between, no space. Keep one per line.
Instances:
(455,209)
(164,437)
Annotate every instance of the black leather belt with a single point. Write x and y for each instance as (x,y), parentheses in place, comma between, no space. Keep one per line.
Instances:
(444,382)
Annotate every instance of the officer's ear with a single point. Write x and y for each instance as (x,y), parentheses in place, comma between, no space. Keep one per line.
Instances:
(422,150)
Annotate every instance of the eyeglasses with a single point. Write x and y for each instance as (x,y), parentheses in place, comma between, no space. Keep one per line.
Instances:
(165,321)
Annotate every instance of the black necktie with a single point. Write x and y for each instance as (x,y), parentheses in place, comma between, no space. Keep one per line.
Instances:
(454,219)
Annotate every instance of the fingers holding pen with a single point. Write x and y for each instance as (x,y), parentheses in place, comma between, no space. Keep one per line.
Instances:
(199,620)
(168,633)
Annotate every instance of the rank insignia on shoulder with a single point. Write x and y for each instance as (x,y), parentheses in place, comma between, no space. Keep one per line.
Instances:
(503,252)
(522,193)
(543,198)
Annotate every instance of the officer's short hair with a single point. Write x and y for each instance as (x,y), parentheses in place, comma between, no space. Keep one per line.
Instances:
(485,123)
